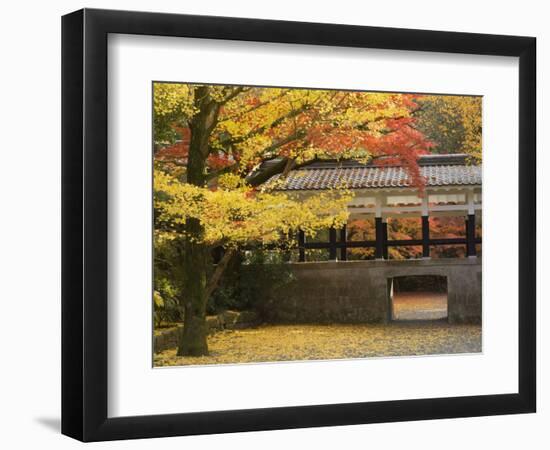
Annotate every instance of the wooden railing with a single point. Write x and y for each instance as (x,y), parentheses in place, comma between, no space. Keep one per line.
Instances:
(382,243)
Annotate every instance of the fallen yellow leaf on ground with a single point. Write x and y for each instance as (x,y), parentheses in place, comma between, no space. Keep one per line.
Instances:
(269,343)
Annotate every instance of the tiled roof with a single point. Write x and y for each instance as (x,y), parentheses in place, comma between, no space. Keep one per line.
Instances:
(441,170)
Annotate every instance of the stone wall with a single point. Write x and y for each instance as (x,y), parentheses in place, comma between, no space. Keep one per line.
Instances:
(358,291)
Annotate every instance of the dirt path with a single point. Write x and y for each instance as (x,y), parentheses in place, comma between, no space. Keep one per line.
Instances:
(314,342)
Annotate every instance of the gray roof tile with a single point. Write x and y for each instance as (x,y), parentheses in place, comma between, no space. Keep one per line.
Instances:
(360,176)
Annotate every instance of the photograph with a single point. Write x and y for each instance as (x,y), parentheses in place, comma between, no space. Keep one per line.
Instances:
(305,224)
(260,225)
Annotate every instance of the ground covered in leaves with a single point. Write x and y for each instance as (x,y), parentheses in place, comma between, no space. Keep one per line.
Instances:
(419,306)
(315,342)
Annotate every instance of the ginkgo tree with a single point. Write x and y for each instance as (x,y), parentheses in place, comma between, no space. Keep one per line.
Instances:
(212,143)
(452,123)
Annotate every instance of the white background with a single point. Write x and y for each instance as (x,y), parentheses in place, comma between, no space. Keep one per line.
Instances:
(30,332)
(136,389)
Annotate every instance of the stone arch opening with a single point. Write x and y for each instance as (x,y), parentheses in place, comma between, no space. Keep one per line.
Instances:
(418,297)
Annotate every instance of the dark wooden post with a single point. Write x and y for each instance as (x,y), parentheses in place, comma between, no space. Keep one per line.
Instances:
(332,242)
(343,240)
(385,239)
(471,235)
(379,251)
(301,249)
(425,237)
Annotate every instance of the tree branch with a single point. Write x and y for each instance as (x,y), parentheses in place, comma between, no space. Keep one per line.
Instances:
(255,107)
(233,94)
(216,173)
(365,125)
(214,281)
(262,176)
(273,124)
(259,177)
(290,163)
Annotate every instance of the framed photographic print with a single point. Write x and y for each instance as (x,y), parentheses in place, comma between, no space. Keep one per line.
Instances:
(274,224)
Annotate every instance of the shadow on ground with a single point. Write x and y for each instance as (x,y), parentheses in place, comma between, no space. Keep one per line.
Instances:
(52,423)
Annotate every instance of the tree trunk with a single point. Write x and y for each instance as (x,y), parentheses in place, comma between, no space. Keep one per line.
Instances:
(196,259)
(196,254)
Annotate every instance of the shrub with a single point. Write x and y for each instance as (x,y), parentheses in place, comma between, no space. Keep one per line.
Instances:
(165,304)
(249,279)
(263,272)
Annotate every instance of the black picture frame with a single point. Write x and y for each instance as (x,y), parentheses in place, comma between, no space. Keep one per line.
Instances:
(84,224)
